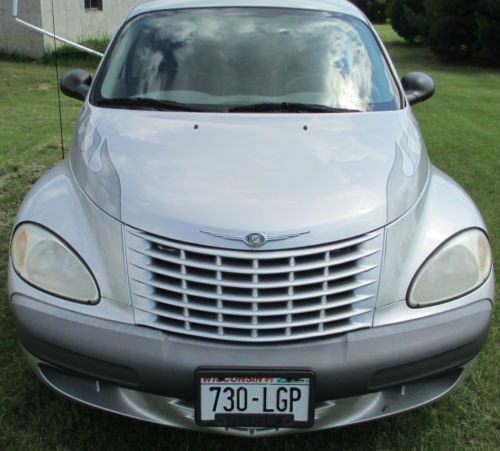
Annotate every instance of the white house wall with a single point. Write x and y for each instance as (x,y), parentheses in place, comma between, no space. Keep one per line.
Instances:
(75,23)
(17,39)
(71,19)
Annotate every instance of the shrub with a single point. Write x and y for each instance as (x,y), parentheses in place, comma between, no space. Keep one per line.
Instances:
(488,29)
(452,28)
(374,9)
(408,18)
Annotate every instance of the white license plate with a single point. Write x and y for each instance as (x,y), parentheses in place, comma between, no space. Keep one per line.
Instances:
(242,399)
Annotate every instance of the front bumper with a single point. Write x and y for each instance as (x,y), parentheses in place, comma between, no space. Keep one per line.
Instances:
(180,413)
(371,373)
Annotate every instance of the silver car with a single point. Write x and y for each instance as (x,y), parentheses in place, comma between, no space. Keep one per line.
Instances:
(248,237)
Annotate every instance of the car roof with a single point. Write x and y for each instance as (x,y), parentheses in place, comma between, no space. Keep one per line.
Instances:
(338,6)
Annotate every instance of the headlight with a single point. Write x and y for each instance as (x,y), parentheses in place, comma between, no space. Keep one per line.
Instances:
(455,269)
(46,262)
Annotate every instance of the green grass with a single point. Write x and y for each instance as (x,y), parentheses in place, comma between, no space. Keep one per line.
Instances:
(463,136)
(71,55)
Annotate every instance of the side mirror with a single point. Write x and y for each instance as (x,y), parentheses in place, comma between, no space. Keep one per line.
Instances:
(418,87)
(76,84)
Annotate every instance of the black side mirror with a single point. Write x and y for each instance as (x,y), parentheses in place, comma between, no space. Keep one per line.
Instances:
(418,87)
(76,84)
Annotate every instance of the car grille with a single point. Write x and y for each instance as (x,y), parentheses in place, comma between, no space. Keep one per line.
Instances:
(254,296)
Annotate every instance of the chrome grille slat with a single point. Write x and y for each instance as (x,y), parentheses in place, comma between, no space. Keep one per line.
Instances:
(259,255)
(220,281)
(355,256)
(261,298)
(255,311)
(251,296)
(250,326)
(271,339)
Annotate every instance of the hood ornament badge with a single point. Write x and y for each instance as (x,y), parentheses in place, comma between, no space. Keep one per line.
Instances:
(255,239)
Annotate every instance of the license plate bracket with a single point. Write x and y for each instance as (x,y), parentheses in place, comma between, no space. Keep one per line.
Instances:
(255,398)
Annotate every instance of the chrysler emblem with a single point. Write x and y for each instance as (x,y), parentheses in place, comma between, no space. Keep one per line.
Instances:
(255,239)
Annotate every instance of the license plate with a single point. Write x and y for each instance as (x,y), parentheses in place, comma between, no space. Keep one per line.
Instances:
(255,399)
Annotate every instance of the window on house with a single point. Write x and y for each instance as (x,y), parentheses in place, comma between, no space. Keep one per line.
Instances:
(93,4)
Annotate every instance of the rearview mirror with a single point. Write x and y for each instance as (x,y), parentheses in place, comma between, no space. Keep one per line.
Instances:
(418,87)
(76,84)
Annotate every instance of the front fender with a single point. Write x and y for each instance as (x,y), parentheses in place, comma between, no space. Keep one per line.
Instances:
(57,203)
(443,210)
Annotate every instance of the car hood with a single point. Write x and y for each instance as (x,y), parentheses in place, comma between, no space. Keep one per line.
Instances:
(182,174)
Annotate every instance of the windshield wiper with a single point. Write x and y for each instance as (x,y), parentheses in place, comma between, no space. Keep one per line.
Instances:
(146,103)
(289,107)
(168,105)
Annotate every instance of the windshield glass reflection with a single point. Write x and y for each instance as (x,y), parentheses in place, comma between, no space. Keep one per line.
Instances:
(243,56)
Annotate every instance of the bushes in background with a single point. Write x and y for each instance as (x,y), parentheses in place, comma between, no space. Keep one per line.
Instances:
(488,28)
(374,9)
(408,18)
(453,29)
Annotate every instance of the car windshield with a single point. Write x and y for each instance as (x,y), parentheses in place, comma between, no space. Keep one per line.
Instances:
(246,59)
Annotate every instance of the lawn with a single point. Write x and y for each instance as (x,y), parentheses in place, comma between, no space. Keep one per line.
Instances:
(461,127)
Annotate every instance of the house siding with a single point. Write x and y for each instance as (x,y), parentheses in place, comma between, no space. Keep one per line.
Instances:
(75,23)
(72,22)
(15,38)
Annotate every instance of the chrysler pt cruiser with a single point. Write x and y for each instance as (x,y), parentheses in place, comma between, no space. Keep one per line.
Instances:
(249,237)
